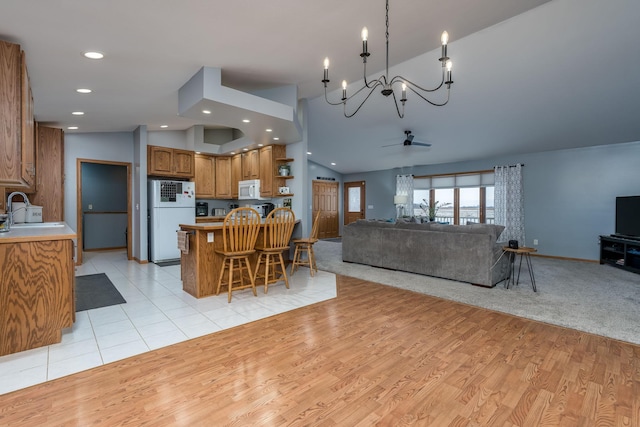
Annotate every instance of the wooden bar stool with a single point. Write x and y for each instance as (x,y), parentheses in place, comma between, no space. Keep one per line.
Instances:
(239,234)
(305,245)
(278,227)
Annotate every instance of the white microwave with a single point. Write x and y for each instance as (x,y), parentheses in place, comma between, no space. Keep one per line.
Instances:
(249,190)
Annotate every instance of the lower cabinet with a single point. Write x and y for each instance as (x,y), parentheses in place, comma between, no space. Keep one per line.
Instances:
(37,293)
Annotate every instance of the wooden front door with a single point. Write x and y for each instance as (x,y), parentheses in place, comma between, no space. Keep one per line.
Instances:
(354,201)
(325,200)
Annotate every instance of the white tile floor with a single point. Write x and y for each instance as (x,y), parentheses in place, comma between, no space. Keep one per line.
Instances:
(157,313)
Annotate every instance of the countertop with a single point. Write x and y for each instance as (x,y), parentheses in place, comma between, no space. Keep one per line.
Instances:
(37,232)
(208,226)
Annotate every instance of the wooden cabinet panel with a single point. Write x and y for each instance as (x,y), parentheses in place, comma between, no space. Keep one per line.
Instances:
(223,177)
(159,161)
(170,162)
(28,129)
(266,171)
(183,163)
(236,174)
(11,113)
(251,164)
(36,293)
(205,176)
(50,173)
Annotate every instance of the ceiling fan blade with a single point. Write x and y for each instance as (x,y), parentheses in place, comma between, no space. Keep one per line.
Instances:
(390,145)
(424,144)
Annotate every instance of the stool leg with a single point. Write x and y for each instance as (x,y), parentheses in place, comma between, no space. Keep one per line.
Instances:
(253,283)
(296,255)
(230,279)
(284,269)
(224,266)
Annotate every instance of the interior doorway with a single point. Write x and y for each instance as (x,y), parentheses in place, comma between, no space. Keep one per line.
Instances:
(325,201)
(104,207)
(354,201)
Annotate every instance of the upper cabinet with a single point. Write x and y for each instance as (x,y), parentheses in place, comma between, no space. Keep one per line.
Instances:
(17,147)
(223,178)
(251,165)
(50,161)
(236,174)
(205,176)
(170,162)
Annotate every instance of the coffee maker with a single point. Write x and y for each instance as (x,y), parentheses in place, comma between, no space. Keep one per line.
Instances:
(267,208)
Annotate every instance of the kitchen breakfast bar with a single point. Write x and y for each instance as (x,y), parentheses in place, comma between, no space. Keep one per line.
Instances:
(201,264)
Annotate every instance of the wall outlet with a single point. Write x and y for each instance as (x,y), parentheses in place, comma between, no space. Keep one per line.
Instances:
(369,206)
(90,206)
(210,237)
(535,242)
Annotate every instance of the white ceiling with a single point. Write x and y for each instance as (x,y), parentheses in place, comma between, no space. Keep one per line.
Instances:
(560,74)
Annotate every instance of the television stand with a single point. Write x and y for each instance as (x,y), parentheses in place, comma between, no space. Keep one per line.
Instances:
(620,252)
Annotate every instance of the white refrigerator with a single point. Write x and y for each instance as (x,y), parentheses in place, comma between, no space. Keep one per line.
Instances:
(170,203)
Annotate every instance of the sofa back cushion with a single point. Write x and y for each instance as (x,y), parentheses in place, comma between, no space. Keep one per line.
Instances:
(494,230)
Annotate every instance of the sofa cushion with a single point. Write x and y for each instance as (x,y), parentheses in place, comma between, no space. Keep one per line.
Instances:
(414,225)
(492,229)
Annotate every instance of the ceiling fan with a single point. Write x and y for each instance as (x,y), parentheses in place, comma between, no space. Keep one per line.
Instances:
(409,141)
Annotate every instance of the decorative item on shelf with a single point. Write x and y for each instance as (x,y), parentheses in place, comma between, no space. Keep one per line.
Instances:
(286,203)
(432,210)
(400,200)
(284,170)
(283,190)
(387,83)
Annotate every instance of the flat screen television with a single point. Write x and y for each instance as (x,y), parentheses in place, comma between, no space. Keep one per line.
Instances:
(628,216)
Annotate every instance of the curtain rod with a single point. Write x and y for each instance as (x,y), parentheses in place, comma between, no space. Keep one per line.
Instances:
(509,166)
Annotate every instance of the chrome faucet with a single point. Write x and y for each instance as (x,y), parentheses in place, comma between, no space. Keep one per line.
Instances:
(10,207)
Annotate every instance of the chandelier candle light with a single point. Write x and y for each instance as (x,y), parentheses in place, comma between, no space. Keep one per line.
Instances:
(386,83)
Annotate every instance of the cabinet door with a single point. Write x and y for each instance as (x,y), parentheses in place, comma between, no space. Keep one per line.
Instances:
(28,133)
(50,174)
(205,176)
(267,171)
(183,163)
(223,177)
(236,174)
(254,162)
(10,113)
(159,161)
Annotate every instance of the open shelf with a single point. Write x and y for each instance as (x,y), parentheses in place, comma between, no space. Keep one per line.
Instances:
(620,252)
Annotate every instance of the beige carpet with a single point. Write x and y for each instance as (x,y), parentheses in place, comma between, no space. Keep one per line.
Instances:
(587,296)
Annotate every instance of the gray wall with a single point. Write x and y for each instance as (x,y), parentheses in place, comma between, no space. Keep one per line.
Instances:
(569,194)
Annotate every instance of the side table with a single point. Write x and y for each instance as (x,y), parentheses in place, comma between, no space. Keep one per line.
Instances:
(526,254)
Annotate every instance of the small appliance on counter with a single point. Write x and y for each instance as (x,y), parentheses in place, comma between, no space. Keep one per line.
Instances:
(202,209)
(219,212)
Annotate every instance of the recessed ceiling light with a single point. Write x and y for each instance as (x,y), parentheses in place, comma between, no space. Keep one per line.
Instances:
(275,138)
(164,126)
(93,55)
(309,152)
(245,149)
(83,90)
(197,152)
(206,111)
(333,163)
(246,121)
(72,127)
(78,113)
(233,152)
(260,145)
(269,130)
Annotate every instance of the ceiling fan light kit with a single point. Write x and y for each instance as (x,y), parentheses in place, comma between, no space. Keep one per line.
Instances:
(387,83)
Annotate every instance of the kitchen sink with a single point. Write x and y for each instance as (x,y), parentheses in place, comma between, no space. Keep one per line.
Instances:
(38,225)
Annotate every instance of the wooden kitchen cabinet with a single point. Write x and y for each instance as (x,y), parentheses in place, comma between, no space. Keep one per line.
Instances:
(170,162)
(269,179)
(17,163)
(205,176)
(251,164)
(223,177)
(50,173)
(236,174)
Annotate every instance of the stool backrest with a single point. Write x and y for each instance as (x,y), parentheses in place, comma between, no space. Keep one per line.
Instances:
(240,229)
(278,228)
(314,227)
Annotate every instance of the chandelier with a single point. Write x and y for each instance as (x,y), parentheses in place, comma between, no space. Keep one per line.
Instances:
(388,84)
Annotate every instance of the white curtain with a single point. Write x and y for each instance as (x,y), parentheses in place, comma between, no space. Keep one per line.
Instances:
(509,202)
(404,186)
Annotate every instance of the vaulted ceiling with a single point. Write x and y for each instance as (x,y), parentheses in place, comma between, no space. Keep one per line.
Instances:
(530,75)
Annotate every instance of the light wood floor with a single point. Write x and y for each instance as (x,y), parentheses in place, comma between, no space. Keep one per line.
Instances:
(375,355)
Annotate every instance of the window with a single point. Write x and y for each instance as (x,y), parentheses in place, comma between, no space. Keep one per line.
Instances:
(461,198)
